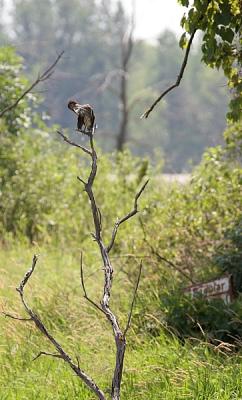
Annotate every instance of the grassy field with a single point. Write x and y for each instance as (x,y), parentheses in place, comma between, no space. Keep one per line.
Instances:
(155,368)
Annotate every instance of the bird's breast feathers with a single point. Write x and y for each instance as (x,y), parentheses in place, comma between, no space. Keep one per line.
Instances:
(77,108)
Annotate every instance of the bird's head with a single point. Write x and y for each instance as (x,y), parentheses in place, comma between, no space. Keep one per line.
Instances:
(71,104)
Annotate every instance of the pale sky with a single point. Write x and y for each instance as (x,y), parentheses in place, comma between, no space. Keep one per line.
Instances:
(153,16)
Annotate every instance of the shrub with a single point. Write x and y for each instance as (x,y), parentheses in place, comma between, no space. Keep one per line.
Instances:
(209,320)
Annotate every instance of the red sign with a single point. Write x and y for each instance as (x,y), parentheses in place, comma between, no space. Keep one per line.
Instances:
(221,288)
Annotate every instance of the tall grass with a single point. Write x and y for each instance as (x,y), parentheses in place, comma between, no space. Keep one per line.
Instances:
(155,368)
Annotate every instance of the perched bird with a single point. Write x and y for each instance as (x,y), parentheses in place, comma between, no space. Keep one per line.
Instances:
(85,115)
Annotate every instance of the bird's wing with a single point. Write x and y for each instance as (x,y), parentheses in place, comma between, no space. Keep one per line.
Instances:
(87,109)
(80,121)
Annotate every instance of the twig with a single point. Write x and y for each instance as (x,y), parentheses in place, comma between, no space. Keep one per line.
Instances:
(129,215)
(133,301)
(84,288)
(44,353)
(162,258)
(41,78)
(175,267)
(180,75)
(178,81)
(17,318)
(27,275)
(82,181)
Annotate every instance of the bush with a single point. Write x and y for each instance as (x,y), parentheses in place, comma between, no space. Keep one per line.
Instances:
(198,228)
(209,320)
(229,254)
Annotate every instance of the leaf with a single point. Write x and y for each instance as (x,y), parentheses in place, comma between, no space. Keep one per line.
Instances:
(184,3)
(226,34)
(183,40)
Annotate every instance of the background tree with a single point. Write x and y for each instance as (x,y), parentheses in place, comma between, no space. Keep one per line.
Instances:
(90,34)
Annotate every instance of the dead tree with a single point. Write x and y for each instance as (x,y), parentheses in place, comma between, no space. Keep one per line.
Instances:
(126,51)
(121,74)
(104,308)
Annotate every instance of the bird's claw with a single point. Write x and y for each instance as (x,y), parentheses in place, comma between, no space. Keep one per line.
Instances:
(85,132)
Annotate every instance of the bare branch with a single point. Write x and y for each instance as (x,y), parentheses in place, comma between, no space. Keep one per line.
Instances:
(41,78)
(43,353)
(66,139)
(162,258)
(133,301)
(183,66)
(178,81)
(129,215)
(28,274)
(175,267)
(81,180)
(17,318)
(62,354)
(84,288)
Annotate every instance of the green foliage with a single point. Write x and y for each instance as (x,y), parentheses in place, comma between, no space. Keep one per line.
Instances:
(209,320)
(220,22)
(154,367)
(83,30)
(12,85)
(36,188)
(189,120)
(196,226)
(190,112)
(186,223)
(42,201)
(40,198)
(229,254)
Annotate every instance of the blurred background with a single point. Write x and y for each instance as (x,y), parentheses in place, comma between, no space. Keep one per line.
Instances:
(118,57)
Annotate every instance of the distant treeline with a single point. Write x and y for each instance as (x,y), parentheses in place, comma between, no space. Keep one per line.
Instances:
(92,34)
